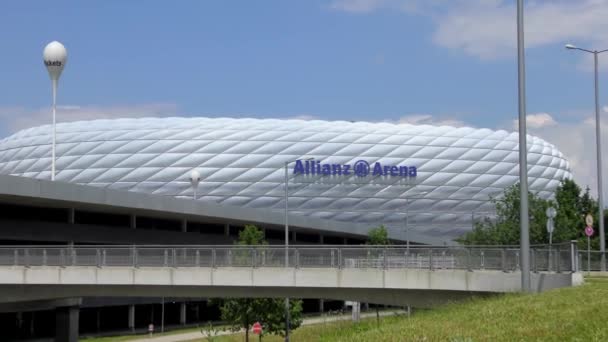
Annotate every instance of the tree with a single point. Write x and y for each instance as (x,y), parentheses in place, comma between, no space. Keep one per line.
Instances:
(378,236)
(241,313)
(571,205)
(251,236)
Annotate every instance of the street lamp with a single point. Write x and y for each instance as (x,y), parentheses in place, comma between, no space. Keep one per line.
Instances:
(524,242)
(195,178)
(551,213)
(287,240)
(598,143)
(55,56)
(406,228)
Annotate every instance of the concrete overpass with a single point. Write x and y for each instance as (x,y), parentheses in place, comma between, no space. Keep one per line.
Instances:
(377,274)
(395,275)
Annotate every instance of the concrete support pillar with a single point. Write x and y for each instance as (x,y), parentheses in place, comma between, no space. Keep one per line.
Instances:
(227,229)
(345,241)
(321,239)
(66,324)
(98,317)
(321,305)
(71,216)
(132,318)
(356,312)
(197,316)
(19,320)
(182,313)
(133,221)
(293,236)
(184,226)
(32,330)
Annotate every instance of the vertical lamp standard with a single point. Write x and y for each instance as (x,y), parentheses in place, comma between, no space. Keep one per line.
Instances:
(55,56)
(405,221)
(524,242)
(551,213)
(195,178)
(598,142)
(287,241)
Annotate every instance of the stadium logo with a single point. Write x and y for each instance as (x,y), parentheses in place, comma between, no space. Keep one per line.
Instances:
(361,168)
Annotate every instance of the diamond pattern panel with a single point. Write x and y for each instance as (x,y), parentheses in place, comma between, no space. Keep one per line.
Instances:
(241,162)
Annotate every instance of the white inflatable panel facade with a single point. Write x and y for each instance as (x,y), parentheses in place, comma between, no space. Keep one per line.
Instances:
(242,163)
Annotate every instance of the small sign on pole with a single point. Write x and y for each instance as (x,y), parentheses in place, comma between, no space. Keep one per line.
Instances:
(589,220)
(150,329)
(589,232)
(257,329)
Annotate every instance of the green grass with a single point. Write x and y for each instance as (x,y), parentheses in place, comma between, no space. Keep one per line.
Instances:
(569,314)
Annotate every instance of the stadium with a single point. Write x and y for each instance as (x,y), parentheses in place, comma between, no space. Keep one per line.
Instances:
(435,178)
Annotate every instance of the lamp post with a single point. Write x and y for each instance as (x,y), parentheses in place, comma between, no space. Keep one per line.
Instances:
(524,242)
(598,144)
(287,241)
(551,213)
(405,223)
(195,178)
(55,56)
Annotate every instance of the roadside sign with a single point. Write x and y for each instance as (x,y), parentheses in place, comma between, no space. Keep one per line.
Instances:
(589,220)
(589,233)
(551,212)
(257,328)
(550,226)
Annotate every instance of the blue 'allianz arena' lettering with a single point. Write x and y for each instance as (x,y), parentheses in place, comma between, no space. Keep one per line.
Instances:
(360,168)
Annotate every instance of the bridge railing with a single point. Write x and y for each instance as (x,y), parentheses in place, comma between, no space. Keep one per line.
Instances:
(589,260)
(557,258)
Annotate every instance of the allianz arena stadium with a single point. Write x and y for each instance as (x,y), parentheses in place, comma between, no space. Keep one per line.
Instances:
(436,180)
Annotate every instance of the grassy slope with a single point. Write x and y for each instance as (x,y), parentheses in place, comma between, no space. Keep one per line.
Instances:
(570,314)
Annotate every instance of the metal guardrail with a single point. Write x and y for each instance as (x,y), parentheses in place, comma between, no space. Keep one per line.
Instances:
(589,261)
(558,258)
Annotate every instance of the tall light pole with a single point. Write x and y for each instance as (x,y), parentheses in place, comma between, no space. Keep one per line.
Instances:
(524,242)
(598,143)
(55,56)
(287,241)
(405,223)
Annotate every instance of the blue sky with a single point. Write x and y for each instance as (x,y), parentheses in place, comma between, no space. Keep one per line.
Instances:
(272,58)
(420,61)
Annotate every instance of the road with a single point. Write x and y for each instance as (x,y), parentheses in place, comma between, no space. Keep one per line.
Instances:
(307,321)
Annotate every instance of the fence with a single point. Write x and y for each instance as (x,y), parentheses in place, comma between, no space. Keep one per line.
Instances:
(589,261)
(559,258)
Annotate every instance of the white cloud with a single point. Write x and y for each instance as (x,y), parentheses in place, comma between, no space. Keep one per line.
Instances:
(358,6)
(535,121)
(576,140)
(306,117)
(16,118)
(428,119)
(367,6)
(486,28)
